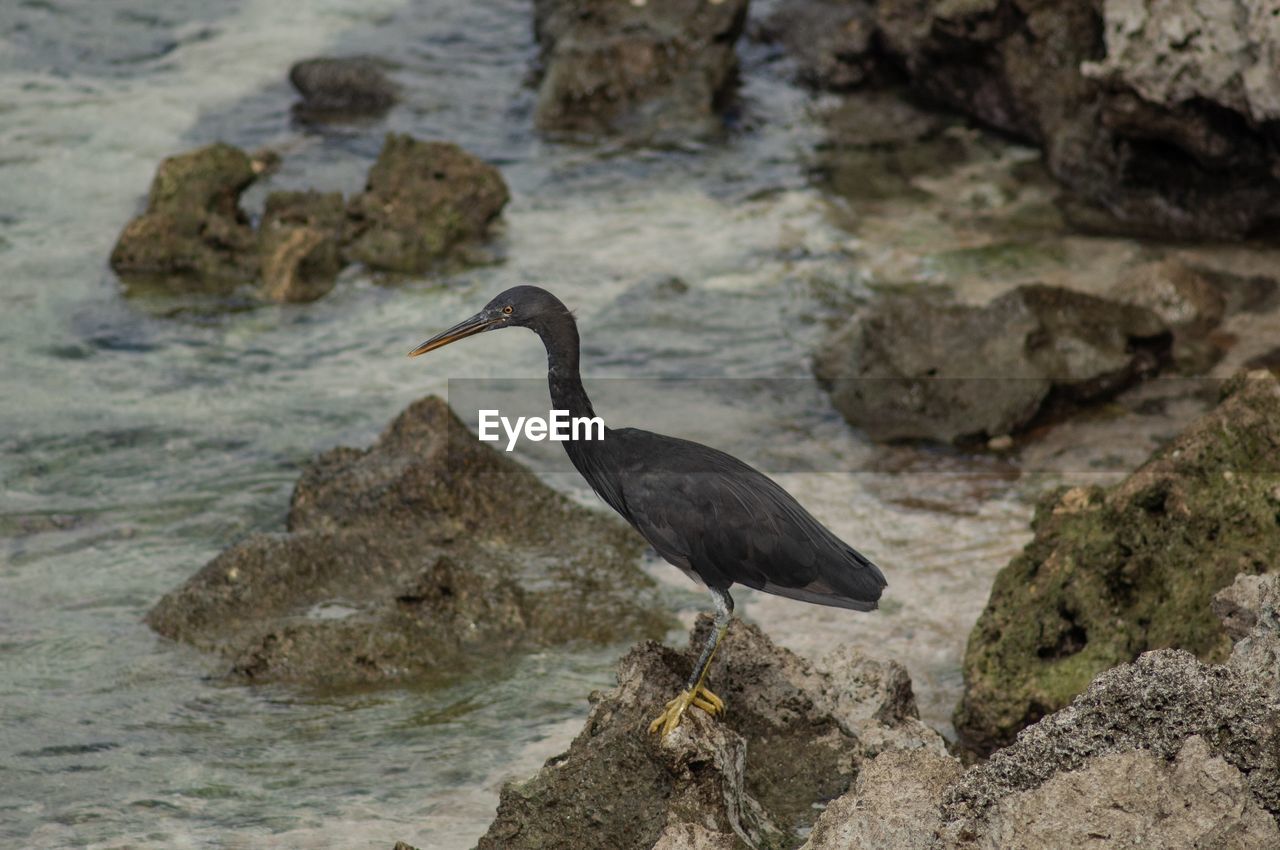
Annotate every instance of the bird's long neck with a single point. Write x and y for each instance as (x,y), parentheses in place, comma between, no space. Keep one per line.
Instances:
(563,376)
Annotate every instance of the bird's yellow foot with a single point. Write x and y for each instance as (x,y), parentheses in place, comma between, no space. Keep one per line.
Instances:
(672,714)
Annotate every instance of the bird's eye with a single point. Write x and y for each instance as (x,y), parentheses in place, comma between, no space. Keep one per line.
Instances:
(507,310)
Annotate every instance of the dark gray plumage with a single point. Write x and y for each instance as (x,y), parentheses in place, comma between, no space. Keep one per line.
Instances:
(708,513)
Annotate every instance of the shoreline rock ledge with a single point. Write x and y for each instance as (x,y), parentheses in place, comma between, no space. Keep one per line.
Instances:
(423,555)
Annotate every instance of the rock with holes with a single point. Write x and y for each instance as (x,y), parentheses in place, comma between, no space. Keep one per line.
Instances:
(1114,572)
(1163,752)
(651,72)
(793,736)
(425,554)
(1164,737)
(917,367)
(422,203)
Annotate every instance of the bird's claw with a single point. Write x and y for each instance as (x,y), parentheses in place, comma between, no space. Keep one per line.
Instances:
(670,718)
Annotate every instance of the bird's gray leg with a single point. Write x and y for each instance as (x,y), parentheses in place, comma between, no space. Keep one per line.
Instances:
(724,613)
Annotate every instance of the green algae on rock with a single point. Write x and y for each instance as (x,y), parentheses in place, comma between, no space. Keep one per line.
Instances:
(422,200)
(422,555)
(1112,573)
(193,230)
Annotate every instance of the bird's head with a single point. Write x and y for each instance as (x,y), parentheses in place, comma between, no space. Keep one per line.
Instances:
(518,307)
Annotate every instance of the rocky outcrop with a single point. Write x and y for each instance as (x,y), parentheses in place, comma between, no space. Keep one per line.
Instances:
(653,72)
(341,88)
(422,201)
(425,204)
(1114,572)
(1163,752)
(1208,735)
(425,554)
(193,232)
(793,736)
(921,368)
(1159,116)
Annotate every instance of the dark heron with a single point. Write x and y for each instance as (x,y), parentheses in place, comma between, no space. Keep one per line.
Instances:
(708,513)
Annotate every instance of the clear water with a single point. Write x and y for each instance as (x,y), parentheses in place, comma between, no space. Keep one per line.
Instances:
(140,437)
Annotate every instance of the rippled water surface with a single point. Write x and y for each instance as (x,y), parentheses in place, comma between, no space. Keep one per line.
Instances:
(138,438)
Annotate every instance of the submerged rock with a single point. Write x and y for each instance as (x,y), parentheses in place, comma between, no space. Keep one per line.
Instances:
(1161,116)
(793,736)
(424,554)
(920,368)
(422,200)
(1114,572)
(657,71)
(341,88)
(193,231)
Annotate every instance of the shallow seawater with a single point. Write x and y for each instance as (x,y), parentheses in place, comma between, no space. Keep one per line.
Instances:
(140,437)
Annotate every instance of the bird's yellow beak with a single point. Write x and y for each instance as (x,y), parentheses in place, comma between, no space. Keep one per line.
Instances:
(478,323)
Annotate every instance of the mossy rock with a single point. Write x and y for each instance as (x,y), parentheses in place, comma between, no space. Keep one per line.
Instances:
(422,200)
(1112,573)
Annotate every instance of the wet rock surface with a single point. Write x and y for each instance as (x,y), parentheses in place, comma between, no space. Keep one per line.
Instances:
(422,200)
(1114,572)
(424,554)
(793,736)
(923,368)
(193,232)
(1160,118)
(341,88)
(655,72)
(425,204)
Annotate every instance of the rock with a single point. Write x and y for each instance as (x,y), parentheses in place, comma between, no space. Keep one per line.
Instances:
(301,235)
(339,88)
(917,368)
(789,739)
(1158,116)
(896,804)
(1134,799)
(653,72)
(422,201)
(1155,706)
(832,41)
(426,554)
(1186,300)
(1250,612)
(193,232)
(1114,572)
